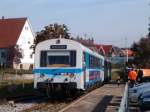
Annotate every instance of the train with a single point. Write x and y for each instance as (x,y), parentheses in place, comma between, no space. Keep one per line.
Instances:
(68,65)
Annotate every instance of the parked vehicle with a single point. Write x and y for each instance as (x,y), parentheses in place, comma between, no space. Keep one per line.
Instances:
(146,79)
(136,91)
(144,100)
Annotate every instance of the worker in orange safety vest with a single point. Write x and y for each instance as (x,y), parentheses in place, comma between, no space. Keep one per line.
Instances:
(132,77)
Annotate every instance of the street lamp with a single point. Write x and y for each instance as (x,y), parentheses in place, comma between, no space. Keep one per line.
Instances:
(126,49)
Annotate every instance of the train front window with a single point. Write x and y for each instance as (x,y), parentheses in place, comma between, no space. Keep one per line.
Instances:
(60,58)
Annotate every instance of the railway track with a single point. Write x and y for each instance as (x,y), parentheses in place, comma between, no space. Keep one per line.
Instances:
(38,102)
(52,104)
(56,102)
(24,98)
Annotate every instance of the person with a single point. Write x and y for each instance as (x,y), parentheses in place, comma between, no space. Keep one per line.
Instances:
(140,75)
(118,81)
(132,77)
(127,70)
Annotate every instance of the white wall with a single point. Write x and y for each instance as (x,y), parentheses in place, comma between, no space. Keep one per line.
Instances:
(25,41)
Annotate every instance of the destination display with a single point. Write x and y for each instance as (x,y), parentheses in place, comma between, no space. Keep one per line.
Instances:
(58,47)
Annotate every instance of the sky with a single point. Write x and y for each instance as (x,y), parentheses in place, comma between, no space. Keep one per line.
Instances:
(116,22)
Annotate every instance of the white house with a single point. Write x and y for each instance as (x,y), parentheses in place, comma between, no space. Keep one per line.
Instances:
(16,31)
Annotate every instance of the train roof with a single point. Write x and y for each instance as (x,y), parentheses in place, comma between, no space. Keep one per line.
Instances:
(84,48)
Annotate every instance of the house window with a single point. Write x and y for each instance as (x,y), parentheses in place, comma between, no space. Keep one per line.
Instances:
(21,66)
(31,56)
(31,67)
(3,55)
(26,28)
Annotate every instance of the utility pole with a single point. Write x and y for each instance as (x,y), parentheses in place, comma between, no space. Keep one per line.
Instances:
(149,28)
(125,59)
(126,49)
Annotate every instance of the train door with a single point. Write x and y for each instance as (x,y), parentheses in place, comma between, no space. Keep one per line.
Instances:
(84,68)
(107,71)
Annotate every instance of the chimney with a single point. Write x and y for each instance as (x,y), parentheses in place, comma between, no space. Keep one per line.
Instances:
(3,17)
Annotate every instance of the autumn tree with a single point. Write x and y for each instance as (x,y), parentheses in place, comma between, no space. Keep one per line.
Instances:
(142,52)
(50,32)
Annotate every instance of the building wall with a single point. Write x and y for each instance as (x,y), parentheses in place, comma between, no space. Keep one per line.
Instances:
(25,40)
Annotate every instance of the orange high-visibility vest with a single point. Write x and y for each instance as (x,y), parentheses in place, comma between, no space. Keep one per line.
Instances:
(132,75)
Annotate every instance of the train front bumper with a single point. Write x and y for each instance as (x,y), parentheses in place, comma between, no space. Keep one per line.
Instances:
(44,85)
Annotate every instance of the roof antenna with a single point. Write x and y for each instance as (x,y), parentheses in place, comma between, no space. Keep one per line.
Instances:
(60,36)
(3,17)
(58,41)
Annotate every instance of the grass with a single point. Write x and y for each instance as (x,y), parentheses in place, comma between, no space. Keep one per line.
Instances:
(13,71)
(15,87)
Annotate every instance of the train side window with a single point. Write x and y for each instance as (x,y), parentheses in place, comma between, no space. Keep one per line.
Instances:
(101,63)
(95,63)
(84,57)
(91,61)
(43,58)
(84,60)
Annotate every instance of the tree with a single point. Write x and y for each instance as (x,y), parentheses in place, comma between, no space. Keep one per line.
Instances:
(149,31)
(18,54)
(15,53)
(51,31)
(142,52)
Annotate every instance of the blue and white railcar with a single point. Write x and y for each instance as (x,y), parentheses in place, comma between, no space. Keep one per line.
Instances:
(67,63)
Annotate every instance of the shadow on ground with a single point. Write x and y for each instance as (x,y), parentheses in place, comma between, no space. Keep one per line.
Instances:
(12,91)
(106,102)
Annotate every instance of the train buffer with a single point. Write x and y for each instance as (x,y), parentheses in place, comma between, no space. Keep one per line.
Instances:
(104,99)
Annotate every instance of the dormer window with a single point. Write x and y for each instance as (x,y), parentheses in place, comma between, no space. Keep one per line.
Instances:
(26,28)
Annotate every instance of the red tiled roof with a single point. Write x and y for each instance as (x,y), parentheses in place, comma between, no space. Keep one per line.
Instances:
(130,52)
(98,46)
(106,48)
(10,30)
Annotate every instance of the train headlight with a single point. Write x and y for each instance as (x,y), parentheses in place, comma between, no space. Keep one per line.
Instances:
(65,80)
(71,75)
(42,75)
(50,79)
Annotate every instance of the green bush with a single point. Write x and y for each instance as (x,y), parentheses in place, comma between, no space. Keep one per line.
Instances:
(117,74)
(16,89)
